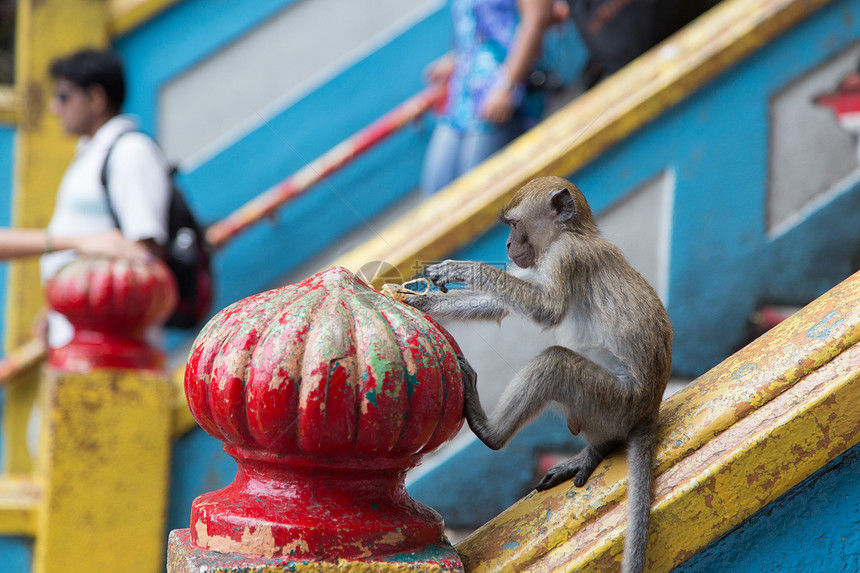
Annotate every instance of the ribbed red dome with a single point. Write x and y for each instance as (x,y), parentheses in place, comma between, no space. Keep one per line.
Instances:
(327,366)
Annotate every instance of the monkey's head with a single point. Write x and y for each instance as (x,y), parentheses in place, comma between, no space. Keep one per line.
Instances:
(539,212)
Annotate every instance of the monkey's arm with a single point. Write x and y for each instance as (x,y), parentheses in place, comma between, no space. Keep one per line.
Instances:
(544,306)
(460,304)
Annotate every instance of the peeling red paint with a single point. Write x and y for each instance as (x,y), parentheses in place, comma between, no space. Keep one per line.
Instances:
(325,393)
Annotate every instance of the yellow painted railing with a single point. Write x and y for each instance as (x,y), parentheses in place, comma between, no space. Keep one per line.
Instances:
(730,443)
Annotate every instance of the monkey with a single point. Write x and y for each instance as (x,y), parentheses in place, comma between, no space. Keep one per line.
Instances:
(613,356)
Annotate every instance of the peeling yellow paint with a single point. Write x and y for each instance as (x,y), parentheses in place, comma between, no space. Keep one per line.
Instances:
(729,444)
(19,498)
(107,451)
(8,105)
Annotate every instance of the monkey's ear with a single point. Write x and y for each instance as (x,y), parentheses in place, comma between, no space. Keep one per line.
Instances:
(562,204)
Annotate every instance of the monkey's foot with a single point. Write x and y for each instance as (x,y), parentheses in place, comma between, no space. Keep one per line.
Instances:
(579,467)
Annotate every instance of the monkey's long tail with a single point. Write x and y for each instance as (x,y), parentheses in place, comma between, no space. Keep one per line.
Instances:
(639,454)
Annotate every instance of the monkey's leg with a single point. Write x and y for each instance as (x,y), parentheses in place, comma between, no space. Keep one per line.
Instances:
(594,399)
(526,396)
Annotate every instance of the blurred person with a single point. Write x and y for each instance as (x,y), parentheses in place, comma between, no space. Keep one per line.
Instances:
(17,243)
(496,43)
(89,90)
(616,32)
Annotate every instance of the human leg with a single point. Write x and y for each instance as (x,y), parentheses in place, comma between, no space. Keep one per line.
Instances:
(440,159)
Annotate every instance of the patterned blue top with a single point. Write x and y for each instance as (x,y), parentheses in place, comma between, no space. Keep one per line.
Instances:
(484,31)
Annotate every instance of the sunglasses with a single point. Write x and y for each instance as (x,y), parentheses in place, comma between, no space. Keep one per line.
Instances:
(63,95)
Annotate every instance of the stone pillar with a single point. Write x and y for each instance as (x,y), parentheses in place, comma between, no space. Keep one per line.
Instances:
(107,422)
(325,393)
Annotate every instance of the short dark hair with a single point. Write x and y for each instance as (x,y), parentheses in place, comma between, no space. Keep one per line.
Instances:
(90,67)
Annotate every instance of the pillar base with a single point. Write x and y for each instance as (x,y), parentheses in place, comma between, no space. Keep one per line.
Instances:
(183,557)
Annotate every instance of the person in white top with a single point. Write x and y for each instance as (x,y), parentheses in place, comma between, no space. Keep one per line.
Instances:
(89,90)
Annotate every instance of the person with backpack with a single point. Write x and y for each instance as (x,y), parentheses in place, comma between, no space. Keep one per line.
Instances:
(89,90)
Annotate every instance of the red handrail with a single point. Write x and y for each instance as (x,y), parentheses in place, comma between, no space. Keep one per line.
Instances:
(255,209)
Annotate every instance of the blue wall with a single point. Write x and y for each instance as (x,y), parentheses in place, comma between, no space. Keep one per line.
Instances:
(813,527)
(16,554)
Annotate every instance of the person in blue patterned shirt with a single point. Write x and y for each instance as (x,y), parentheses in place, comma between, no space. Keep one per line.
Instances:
(496,43)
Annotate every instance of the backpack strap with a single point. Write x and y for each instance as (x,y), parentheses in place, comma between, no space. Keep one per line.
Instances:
(104,181)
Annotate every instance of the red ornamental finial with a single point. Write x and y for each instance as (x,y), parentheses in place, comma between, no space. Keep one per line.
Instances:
(325,392)
(111,303)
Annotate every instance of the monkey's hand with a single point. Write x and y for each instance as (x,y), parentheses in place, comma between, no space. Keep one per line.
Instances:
(449,271)
(421,302)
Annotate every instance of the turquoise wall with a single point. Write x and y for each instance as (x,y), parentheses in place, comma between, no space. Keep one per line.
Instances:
(16,554)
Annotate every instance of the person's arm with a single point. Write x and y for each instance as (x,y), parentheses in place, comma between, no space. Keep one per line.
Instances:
(16,243)
(439,70)
(535,17)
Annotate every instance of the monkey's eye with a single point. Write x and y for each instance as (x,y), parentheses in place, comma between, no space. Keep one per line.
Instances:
(512,223)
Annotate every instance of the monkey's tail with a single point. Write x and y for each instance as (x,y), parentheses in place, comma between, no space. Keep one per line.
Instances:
(639,454)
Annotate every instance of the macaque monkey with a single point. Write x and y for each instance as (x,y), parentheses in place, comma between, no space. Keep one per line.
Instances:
(614,352)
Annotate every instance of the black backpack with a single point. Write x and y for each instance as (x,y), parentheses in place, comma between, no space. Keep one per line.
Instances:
(186,253)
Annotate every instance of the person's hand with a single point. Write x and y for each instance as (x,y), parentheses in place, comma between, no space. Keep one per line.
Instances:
(40,326)
(112,244)
(439,71)
(498,106)
(560,11)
